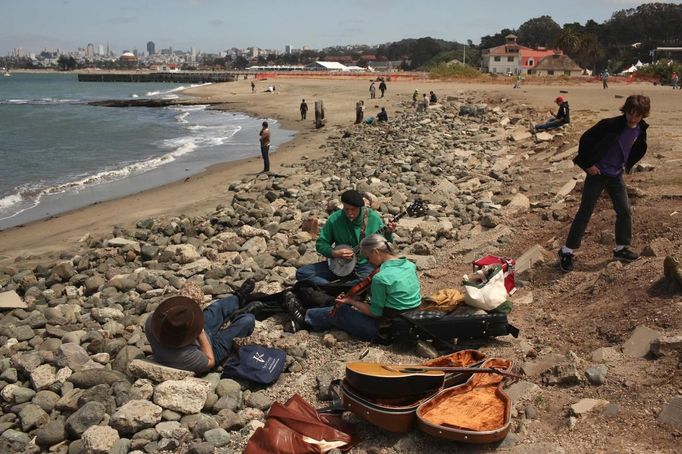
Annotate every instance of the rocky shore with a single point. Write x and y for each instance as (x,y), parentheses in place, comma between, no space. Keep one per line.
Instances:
(73,373)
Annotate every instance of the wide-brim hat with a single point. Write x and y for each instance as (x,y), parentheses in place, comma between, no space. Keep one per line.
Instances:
(177,322)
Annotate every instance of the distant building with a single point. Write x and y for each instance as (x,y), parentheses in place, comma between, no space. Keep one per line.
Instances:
(100,49)
(557,65)
(151,48)
(287,49)
(128,60)
(90,50)
(513,58)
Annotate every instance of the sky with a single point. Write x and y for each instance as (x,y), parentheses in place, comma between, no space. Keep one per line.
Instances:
(215,25)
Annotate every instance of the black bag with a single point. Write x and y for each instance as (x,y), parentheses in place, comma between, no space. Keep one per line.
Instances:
(437,325)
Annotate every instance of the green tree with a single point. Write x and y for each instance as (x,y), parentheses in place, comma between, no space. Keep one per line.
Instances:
(240,63)
(568,41)
(66,63)
(539,31)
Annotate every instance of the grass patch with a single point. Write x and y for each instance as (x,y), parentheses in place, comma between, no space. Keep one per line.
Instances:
(445,71)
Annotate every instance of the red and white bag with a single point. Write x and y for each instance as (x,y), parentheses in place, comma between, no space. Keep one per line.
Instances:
(507,268)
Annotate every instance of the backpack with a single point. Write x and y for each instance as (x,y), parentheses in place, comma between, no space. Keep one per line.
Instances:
(256,363)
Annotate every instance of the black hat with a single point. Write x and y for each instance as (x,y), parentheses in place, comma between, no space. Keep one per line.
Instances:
(177,322)
(353,197)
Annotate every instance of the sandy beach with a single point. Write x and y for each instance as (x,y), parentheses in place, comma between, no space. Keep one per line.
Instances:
(203,192)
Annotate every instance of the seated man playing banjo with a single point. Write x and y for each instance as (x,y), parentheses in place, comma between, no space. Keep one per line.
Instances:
(339,241)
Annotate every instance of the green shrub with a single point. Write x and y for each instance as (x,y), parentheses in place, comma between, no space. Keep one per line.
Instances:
(445,71)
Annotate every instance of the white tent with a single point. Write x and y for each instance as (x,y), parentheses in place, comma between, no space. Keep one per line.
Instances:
(634,67)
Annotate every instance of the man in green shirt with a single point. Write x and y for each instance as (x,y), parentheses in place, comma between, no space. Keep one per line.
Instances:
(342,233)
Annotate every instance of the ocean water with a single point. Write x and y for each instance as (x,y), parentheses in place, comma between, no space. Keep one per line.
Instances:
(58,153)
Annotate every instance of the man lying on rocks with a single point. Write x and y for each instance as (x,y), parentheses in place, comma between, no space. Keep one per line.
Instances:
(183,336)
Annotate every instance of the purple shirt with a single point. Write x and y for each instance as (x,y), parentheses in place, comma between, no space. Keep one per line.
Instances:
(613,161)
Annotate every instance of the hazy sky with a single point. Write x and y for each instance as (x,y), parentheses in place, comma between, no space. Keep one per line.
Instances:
(214,25)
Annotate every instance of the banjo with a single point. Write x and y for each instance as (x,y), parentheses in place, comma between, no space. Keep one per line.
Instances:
(342,267)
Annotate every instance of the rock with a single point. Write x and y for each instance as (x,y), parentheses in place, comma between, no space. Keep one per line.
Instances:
(167,428)
(672,413)
(543,137)
(227,387)
(259,400)
(423,262)
(104,314)
(93,284)
(90,414)
(537,367)
(667,345)
(639,344)
(520,390)
(606,355)
(92,377)
(597,375)
(584,406)
(136,415)
(520,135)
(659,247)
(46,400)
(32,416)
(565,374)
(13,441)
(74,357)
(533,255)
(183,253)
(518,204)
(124,357)
(141,368)
(43,376)
(672,271)
(217,437)
(611,410)
(185,396)
(51,433)
(100,439)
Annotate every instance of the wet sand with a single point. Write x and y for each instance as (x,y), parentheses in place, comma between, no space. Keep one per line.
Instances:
(202,193)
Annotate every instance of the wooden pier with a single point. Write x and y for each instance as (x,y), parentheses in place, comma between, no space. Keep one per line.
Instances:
(168,77)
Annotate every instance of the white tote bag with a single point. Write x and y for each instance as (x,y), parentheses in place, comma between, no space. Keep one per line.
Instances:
(486,295)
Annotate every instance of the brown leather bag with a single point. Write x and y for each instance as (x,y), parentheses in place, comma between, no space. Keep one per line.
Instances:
(297,428)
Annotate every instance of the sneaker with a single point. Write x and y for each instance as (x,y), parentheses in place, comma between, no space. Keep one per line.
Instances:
(295,310)
(245,290)
(626,255)
(565,262)
(254,307)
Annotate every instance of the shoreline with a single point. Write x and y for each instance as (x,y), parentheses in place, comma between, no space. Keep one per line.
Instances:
(204,191)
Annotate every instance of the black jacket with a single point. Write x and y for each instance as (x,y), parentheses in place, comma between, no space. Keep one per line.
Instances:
(564,113)
(601,137)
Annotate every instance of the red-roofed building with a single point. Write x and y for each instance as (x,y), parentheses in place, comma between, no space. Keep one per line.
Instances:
(513,58)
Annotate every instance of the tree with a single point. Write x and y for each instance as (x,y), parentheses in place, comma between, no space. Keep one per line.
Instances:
(539,32)
(240,63)
(591,52)
(66,63)
(568,41)
(497,39)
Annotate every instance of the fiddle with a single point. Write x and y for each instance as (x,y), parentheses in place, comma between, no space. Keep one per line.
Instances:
(355,290)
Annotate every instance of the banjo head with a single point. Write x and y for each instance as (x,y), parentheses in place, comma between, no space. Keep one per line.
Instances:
(342,267)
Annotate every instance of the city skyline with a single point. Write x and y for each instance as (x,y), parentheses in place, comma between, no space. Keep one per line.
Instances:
(212,26)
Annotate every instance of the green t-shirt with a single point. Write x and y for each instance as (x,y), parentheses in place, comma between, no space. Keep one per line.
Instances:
(395,286)
(340,230)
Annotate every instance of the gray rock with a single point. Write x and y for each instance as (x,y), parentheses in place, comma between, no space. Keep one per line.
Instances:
(639,344)
(92,377)
(141,368)
(124,357)
(259,400)
(46,400)
(75,358)
(93,284)
(584,406)
(597,375)
(202,447)
(51,433)
(12,441)
(32,416)
(217,437)
(90,414)
(43,376)
(136,415)
(185,396)
(226,387)
(69,401)
(672,413)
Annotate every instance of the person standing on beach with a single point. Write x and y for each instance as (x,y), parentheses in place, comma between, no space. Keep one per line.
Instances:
(253,87)
(265,146)
(382,87)
(605,151)
(304,109)
(372,90)
(359,111)
(605,79)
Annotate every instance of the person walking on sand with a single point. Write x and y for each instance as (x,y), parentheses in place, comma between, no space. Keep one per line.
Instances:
(265,146)
(253,87)
(675,80)
(605,150)
(605,79)
(304,109)
(382,87)
(372,91)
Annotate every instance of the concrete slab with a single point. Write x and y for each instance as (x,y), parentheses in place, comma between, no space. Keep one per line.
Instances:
(11,300)
(639,343)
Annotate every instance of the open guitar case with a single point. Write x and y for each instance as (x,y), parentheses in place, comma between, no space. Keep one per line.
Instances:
(468,407)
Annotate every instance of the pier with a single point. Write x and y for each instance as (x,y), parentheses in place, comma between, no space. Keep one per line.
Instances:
(168,77)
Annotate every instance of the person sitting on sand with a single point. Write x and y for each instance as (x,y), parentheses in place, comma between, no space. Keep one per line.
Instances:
(562,117)
(183,336)
(394,289)
(433,99)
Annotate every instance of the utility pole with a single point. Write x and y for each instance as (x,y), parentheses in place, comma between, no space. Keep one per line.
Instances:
(465,55)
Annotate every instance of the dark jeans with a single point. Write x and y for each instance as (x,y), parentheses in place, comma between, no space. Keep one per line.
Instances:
(348,319)
(215,316)
(265,152)
(550,124)
(320,274)
(592,189)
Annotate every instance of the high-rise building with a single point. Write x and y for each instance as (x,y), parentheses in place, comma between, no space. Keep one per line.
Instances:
(287,49)
(90,50)
(151,48)
(100,49)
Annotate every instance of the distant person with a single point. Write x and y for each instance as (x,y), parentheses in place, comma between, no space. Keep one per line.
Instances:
(433,99)
(372,91)
(605,79)
(359,111)
(415,95)
(519,81)
(183,336)
(383,115)
(382,87)
(265,146)
(562,117)
(605,150)
(304,109)
(423,104)
(253,87)
(675,80)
